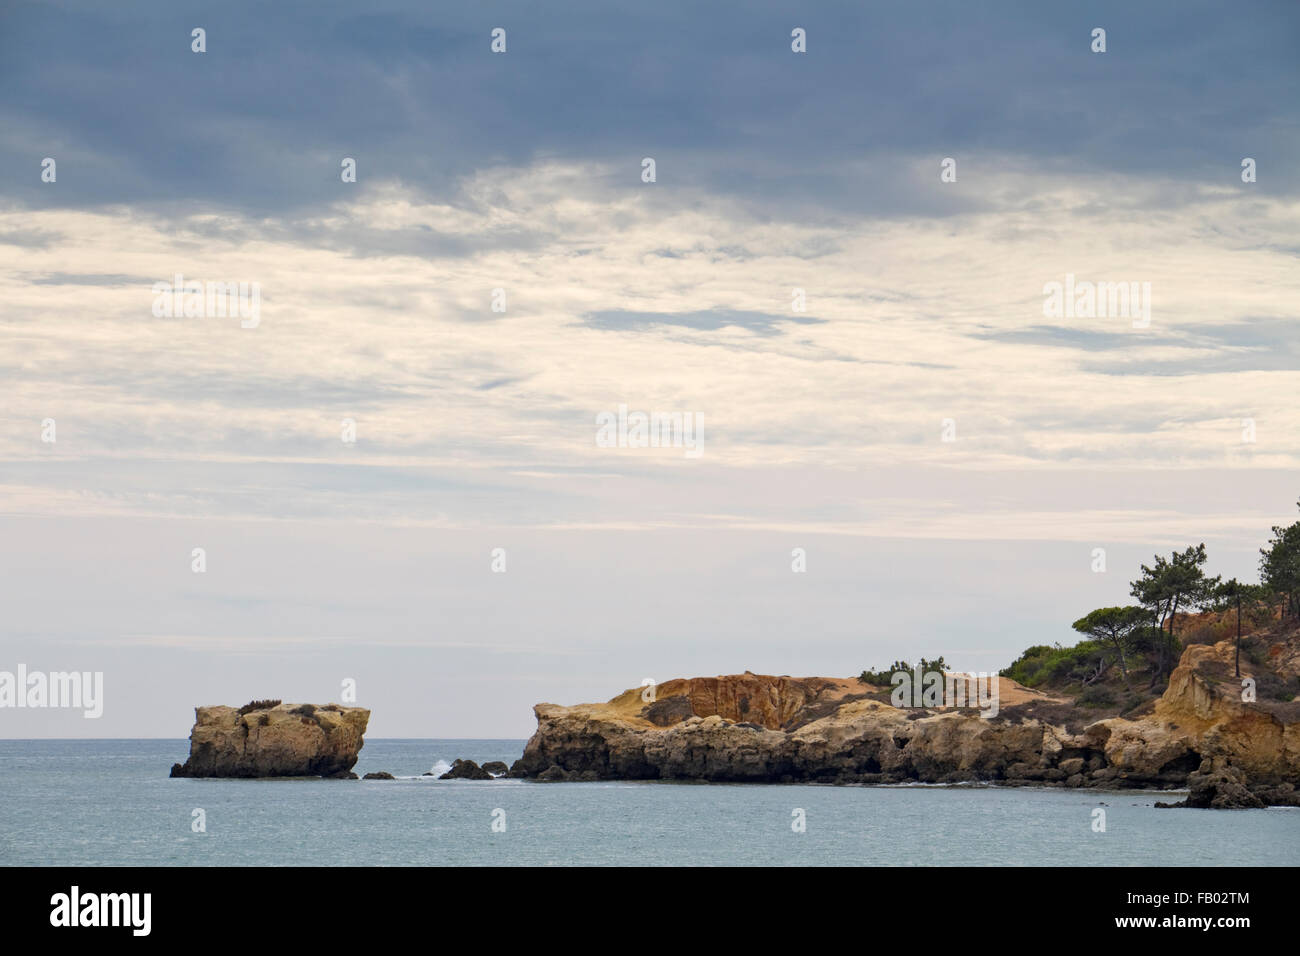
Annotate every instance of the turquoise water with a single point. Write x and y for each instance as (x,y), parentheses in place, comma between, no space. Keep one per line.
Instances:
(77,802)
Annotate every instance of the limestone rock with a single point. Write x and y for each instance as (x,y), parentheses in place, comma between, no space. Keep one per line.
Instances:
(284,740)
(754,727)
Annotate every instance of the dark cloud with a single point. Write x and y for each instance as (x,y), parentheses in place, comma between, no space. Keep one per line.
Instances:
(90,278)
(1061,337)
(262,119)
(1252,345)
(709,320)
(501,382)
(32,239)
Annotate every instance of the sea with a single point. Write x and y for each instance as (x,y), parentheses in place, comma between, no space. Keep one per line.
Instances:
(111,803)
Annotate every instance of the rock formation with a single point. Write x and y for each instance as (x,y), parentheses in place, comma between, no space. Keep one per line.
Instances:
(751,727)
(271,739)
(465,770)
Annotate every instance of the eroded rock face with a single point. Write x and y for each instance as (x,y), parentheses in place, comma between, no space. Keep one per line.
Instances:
(771,702)
(754,727)
(1202,715)
(287,740)
(862,740)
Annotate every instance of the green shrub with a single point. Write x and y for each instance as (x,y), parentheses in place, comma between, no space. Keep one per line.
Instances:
(883,678)
(1041,664)
(1096,697)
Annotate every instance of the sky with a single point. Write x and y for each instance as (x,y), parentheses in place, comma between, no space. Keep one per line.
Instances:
(948,453)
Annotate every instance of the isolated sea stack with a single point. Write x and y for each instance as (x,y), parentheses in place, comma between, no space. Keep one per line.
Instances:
(266,738)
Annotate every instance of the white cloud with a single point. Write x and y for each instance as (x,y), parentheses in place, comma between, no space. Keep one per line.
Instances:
(367,315)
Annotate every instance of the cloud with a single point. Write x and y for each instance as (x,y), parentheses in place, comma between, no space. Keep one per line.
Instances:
(909,322)
(760,323)
(94,279)
(261,121)
(1251,345)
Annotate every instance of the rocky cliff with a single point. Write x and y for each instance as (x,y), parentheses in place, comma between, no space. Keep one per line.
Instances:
(271,739)
(752,727)
(1239,753)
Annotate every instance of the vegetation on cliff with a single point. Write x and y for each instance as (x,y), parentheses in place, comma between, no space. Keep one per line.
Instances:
(1125,661)
(883,678)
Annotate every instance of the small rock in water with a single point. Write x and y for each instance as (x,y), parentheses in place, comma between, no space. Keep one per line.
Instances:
(496,767)
(380,775)
(466,770)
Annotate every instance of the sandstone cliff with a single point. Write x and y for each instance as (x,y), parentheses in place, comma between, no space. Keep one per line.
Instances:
(1238,753)
(270,739)
(752,727)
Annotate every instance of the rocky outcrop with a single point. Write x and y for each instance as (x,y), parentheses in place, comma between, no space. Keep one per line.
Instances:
(753,727)
(379,775)
(465,770)
(270,739)
(1202,714)
(861,740)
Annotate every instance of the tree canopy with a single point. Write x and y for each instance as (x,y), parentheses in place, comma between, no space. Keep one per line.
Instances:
(1279,566)
(1114,627)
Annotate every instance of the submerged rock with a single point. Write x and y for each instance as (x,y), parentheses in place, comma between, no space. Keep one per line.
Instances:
(271,739)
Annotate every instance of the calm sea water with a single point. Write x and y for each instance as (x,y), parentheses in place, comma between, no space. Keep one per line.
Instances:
(77,802)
